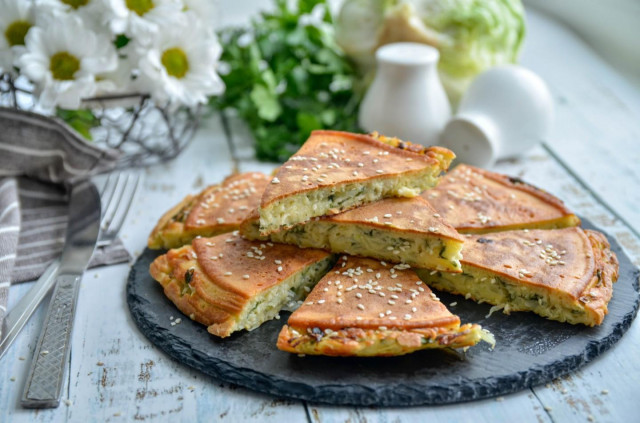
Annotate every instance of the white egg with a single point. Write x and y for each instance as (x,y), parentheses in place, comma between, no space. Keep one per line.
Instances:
(506,111)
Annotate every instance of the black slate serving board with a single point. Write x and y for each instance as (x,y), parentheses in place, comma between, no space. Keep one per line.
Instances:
(529,351)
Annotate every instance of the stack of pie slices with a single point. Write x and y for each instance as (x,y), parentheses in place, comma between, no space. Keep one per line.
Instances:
(351,233)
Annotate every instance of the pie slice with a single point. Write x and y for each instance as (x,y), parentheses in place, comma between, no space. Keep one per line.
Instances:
(561,274)
(399,230)
(336,171)
(474,200)
(365,307)
(217,209)
(229,284)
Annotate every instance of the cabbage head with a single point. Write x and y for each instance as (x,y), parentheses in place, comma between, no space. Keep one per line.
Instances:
(471,35)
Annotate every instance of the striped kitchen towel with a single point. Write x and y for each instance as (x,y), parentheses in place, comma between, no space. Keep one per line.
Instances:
(43,215)
(9,229)
(39,158)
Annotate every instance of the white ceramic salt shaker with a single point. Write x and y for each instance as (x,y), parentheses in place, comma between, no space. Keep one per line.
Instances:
(406,98)
(505,112)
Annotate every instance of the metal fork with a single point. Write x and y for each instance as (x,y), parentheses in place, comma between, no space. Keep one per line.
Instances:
(116,198)
(117,194)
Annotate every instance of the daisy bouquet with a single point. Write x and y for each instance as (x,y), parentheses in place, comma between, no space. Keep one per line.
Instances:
(74,57)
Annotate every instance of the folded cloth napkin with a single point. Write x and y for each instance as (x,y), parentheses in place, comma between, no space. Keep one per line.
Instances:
(39,160)
(9,227)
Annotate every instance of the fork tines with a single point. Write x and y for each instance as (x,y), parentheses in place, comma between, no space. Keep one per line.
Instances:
(116,198)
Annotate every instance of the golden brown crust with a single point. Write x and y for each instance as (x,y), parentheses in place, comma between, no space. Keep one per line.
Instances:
(375,342)
(325,149)
(227,205)
(168,226)
(557,260)
(597,297)
(566,262)
(365,294)
(217,209)
(207,281)
(440,153)
(364,307)
(400,215)
(238,256)
(474,200)
(170,270)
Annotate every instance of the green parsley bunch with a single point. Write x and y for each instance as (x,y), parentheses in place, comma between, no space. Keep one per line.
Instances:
(285,76)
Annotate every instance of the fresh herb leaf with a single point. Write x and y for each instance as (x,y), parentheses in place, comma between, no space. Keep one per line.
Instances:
(308,122)
(266,103)
(188,275)
(121,40)
(80,120)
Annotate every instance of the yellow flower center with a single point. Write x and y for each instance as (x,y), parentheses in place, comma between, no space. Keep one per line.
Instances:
(16,32)
(139,6)
(64,65)
(76,4)
(175,61)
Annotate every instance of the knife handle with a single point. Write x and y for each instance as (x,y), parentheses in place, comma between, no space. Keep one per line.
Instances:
(44,383)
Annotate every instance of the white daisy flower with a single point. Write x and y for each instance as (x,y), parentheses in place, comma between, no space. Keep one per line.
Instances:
(179,67)
(62,60)
(141,19)
(90,11)
(16,19)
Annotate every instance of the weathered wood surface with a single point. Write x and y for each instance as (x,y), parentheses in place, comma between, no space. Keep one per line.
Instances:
(597,124)
(117,375)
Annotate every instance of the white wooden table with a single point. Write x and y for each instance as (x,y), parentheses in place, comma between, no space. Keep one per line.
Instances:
(591,161)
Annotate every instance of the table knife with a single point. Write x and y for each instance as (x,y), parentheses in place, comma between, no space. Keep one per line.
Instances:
(19,315)
(45,379)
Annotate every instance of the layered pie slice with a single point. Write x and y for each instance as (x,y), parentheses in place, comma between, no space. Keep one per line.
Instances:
(474,200)
(365,307)
(561,274)
(398,230)
(229,284)
(336,171)
(217,209)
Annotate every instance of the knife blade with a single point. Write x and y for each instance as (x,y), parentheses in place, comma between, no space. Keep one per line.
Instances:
(44,381)
(19,315)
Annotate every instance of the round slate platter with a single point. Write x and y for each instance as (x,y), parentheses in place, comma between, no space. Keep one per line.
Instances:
(529,351)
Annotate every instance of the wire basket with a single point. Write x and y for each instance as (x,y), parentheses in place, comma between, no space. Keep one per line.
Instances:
(143,132)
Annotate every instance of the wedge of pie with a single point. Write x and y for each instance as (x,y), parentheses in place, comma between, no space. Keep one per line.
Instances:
(217,209)
(229,284)
(364,307)
(398,230)
(474,200)
(561,274)
(336,171)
